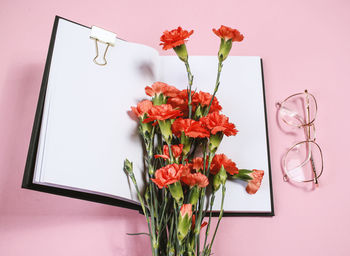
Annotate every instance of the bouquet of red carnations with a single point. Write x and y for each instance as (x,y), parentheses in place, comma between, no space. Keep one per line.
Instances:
(182,131)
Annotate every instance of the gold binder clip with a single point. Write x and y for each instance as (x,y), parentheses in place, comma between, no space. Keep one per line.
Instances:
(102,36)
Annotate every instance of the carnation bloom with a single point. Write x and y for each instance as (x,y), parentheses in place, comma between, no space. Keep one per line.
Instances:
(216,122)
(190,128)
(228,33)
(196,130)
(254,184)
(162,112)
(175,149)
(175,37)
(204,98)
(169,174)
(222,160)
(180,125)
(197,163)
(192,179)
(142,108)
(161,88)
(180,100)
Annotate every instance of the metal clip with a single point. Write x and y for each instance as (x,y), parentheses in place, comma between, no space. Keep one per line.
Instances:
(102,36)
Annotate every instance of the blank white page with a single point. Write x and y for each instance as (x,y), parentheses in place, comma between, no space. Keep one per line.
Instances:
(241,96)
(86,130)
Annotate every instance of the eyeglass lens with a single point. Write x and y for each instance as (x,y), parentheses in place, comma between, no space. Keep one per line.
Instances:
(299,110)
(304,162)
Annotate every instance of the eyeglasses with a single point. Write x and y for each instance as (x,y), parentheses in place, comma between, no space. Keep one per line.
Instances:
(303,162)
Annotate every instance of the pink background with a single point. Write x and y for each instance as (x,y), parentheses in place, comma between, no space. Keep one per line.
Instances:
(304,44)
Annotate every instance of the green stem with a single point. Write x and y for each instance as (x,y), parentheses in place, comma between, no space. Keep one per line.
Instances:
(165,202)
(131,175)
(209,222)
(153,224)
(161,225)
(201,204)
(170,153)
(176,219)
(189,91)
(196,240)
(220,216)
(216,86)
(171,237)
(153,202)
(137,234)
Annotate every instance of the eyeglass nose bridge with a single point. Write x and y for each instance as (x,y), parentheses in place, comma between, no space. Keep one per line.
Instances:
(307,128)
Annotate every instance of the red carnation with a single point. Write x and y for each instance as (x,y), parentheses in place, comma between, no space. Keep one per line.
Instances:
(222,160)
(196,130)
(159,87)
(175,37)
(197,163)
(192,179)
(204,98)
(142,107)
(228,33)
(216,122)
(169,174)
(175,149)
(180,100)
(254,184)
(191,128)
(162,112)
(180,125)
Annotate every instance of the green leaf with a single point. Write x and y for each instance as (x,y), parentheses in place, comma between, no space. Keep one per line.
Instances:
(244,171)
(243,176)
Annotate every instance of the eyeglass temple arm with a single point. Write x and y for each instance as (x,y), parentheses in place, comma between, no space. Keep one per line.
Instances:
(309,137)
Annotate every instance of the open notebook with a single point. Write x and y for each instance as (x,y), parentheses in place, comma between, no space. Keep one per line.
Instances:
(83,130)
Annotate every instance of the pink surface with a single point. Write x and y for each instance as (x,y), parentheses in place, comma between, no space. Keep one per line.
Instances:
(304,44)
